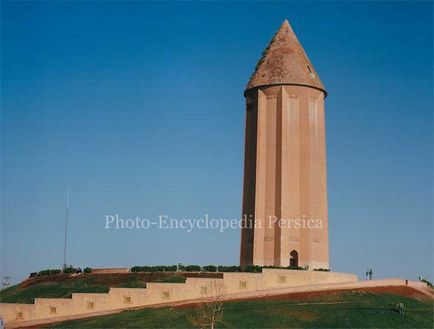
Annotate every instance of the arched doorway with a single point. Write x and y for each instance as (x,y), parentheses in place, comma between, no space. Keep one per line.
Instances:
(293,259)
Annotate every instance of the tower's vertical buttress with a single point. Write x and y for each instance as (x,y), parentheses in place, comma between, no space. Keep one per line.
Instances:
(249,183)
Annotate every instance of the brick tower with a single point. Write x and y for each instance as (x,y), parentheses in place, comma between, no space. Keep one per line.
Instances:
(285,160)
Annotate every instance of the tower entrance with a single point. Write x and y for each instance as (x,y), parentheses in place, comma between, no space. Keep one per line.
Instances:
(293,258)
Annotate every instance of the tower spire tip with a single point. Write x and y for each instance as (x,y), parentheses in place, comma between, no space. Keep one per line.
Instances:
(284,61)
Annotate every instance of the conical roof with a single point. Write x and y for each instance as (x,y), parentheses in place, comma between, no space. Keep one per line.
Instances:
(285,62)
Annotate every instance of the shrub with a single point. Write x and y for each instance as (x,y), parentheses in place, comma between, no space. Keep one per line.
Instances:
(322,269)
(209,268)
(181,267)
(49,272)
(172,268)
(429,284)
(296,268)
(252,269)
(33,274)
(285,267)
(87,270)
(193,268)
(70,269)
(141,269)
(231,268)
(158,268)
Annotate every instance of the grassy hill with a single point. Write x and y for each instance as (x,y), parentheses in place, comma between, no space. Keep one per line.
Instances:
(63,285)
(368,308)
(362,308)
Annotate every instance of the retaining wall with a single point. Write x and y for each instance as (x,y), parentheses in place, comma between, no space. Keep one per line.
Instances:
(232,284)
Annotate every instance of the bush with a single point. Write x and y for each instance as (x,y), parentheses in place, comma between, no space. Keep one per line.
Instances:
(70,269)
(322,269)
(252,269)
(159,268)
(285,267)
(33,274)
(429,284)
(140,269)
(209,268)
(231,268)
(87,270)
(193,268)
(164,268)
(296,268)
(181,267)
(49,272)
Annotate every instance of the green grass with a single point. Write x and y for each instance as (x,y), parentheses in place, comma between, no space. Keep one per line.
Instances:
(62,286)
(48,289)
(343,310)
(172,279)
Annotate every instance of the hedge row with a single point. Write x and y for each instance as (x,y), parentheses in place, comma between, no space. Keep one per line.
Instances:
(49,272)
(70,270)
(210,268)
(66,270)
(175,268)
(160,268)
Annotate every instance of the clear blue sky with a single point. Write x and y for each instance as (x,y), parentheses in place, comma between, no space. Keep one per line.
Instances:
(139,107)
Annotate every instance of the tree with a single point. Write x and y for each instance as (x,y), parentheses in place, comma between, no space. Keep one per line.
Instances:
(400,308)
(6,281)
(210,310)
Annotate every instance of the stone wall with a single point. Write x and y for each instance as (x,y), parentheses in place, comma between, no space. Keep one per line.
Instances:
(232,284)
